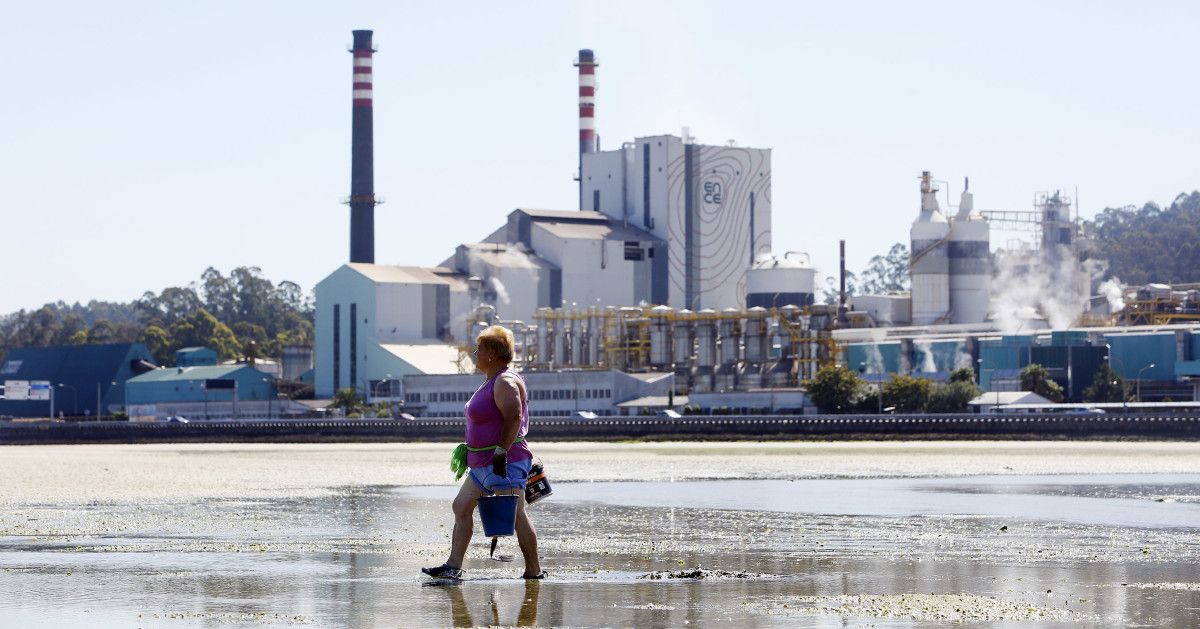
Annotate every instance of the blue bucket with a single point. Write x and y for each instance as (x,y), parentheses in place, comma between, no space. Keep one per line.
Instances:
(498,514)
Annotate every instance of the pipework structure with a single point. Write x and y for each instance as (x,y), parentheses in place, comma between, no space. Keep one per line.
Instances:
(708,351)
(362,199)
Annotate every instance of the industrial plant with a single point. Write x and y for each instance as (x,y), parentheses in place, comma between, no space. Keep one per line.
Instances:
(662,290)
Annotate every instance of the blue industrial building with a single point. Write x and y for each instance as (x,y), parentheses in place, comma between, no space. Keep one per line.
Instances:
(1162,362)
(85,378)
(203,384)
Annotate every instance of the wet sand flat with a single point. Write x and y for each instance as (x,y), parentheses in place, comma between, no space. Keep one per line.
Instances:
(744,534)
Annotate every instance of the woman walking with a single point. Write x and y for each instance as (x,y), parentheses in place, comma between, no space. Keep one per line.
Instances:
(495,454)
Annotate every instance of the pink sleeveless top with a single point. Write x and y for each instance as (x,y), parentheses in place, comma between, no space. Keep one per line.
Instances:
(484,422)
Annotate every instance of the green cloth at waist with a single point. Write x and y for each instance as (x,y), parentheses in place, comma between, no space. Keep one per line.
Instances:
(458,459)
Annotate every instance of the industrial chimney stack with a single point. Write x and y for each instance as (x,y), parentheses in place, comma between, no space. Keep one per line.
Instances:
(589,142)
(362,158)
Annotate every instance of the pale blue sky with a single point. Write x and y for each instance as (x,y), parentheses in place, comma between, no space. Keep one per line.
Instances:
(143,142)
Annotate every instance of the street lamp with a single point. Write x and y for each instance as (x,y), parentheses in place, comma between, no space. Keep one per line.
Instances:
(1139,381)
(74,398)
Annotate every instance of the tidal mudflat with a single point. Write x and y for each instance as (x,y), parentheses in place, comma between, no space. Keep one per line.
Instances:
(662,534)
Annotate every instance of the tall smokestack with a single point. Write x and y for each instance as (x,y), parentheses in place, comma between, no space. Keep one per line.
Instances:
(362,155)
(589,142)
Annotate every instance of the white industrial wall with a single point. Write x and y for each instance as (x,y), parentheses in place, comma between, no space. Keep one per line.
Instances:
(604,173)
(401,312)
(722,239)
(344,286)
(594,271)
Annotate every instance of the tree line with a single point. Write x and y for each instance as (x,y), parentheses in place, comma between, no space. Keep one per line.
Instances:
(241,315)
(838,389)
(1150,244)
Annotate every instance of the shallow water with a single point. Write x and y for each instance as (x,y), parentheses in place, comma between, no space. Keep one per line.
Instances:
(1096,550)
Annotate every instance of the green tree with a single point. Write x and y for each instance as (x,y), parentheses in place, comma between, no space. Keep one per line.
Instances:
(1150,244)
(835,389)
(349,401)
(887,273)
(1106,386)
(158,341)
(953,397)
(906,393)
(962,374)
(1035,378)
(202,329)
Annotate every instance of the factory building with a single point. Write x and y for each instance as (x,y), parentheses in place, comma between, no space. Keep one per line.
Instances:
(74,380)
(1162,362)
(661,220)
(710,205)
(203,391)
(375,322)
(551,394)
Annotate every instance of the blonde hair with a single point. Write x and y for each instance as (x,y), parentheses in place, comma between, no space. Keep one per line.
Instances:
(499,339)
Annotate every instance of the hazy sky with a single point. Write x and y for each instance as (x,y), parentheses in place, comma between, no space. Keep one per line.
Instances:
(143,142)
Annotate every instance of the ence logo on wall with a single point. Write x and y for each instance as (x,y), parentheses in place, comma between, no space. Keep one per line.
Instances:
(712,192)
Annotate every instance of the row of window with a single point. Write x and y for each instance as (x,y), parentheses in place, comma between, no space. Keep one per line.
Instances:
(458,414)
(534,395)
(569,394)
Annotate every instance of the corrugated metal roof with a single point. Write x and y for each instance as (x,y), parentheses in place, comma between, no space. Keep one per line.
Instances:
(608,230)
(1008,397)
(507,256)
(206,372)
(428,358)
(387,274)
(569,215)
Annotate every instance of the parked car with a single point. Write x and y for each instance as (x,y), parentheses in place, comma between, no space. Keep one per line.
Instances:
(177,419)
(583,415)
(405,416)
(667,414)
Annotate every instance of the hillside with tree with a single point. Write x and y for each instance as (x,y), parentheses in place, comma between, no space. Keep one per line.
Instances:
(240,315)
(1150,244)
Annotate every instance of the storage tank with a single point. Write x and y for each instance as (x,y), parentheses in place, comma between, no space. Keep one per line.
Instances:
(970,263)
(706,350)
(773,282)
(930,264)
(681,347)
(781,374)
(756,340)
(729,331)
(660,337)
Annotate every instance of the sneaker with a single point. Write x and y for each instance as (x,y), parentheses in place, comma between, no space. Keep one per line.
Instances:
(444,571)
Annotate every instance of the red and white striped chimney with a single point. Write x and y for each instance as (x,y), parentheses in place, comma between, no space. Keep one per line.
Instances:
(589,142)
(587,102)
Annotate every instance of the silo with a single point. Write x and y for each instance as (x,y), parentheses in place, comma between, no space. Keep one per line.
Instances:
(729,331)
(782,372)
(566,338)
(970,263)
(578,340)
(756,348)
(706,350)
(930,264)
(545,338)
(660,338)
(681,347)
(773,282)
(594,332)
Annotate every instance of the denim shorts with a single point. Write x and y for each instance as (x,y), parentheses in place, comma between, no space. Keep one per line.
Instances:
(489,482)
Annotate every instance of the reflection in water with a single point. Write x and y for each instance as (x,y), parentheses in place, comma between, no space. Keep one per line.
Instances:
(351,559)
(460,612)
